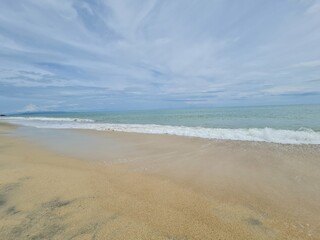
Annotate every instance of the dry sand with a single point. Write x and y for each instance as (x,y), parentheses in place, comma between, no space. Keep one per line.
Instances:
(159,187)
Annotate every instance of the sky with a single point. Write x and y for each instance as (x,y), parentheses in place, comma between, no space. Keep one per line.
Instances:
(92,55)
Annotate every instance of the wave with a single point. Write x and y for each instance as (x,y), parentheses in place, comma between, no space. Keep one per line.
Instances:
(49,119)
(301,136)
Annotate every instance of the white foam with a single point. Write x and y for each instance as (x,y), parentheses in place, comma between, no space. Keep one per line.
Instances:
(53,119)
(301,136)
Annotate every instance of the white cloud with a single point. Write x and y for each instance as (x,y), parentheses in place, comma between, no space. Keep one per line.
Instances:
(308,64)
(30,108)
(42,108)
(163,49)
(314,8)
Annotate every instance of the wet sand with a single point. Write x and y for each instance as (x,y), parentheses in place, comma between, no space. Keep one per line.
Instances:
(157,187)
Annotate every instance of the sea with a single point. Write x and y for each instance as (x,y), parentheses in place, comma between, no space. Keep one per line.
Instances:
(294,124)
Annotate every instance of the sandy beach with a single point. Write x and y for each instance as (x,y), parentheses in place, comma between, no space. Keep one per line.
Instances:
(140,186)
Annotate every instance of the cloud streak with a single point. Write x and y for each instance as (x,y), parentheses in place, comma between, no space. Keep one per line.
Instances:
(85,55)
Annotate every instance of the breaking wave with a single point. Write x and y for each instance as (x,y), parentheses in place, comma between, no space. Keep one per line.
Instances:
(300,136)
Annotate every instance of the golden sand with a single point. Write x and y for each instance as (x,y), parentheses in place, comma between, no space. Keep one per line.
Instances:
(161,187)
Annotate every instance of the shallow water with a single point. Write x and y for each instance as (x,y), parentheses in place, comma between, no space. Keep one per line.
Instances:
(71,143)
(277,124)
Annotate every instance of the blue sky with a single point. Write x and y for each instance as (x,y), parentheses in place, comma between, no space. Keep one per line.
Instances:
(122,54)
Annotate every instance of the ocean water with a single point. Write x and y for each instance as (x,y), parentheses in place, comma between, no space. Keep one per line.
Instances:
(278,124)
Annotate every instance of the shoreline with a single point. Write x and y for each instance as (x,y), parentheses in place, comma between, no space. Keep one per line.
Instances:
(193,184)
(301,136)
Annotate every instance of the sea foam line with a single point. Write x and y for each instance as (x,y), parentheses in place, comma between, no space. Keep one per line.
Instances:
(49,119)
(302,136)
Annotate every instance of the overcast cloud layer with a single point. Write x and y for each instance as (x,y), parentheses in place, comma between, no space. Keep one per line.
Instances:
(117,54)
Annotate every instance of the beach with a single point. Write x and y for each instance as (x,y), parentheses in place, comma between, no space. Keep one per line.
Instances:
(89,184)
(160,120)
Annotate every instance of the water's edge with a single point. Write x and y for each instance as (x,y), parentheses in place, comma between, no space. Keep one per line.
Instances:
(282,136)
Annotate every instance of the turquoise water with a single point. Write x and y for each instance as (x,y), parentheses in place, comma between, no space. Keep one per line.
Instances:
(277,117)
(276,124)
